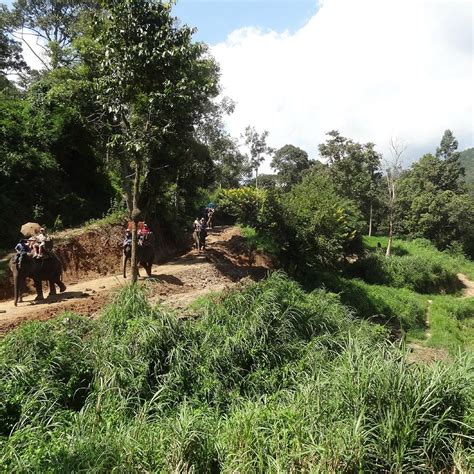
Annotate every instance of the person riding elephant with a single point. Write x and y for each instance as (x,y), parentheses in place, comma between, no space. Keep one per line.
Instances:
(145,255)
(39,270)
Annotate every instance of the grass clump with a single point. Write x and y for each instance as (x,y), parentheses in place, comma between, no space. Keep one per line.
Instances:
(383,304)
(44,365)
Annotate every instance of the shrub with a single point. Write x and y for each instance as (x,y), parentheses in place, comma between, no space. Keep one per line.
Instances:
(323,224)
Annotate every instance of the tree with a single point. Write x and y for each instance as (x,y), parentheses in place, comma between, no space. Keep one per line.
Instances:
(154,84)
(289,162)
(355,170)
(53,23)
(393,170)
(258,147)
(451,168)
(231,165)
(11,59)
(432,200)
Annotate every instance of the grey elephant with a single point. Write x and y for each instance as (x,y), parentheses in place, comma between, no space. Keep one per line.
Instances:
(39,270)
(145,257)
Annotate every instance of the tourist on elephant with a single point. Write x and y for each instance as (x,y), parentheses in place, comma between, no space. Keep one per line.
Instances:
(127,239)
(40,240)
(22,249)
(143,234)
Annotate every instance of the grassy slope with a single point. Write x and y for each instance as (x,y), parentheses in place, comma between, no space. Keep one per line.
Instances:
(451,319)
(266,379)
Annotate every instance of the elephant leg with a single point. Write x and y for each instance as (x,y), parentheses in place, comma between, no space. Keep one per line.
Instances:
(52,288)
(62,286)
(148,268)
(39,290)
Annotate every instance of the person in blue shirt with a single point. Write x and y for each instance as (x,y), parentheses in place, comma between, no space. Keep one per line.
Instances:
(22,249)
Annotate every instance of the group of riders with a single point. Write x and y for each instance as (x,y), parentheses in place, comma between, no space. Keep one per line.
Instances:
(200,226)
(35,246)
(144,235)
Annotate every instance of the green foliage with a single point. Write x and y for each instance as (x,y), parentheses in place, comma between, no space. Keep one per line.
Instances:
(398,307)
(467,162)
(452,324)
(262,242)
(267,379)
(355,171)
(50,158)
(420,274)
(249,206)
(432,199)
(289,162)
(44,366)
(324,224)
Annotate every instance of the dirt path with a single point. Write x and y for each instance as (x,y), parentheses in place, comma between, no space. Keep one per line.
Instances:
(468,289)
(175,283)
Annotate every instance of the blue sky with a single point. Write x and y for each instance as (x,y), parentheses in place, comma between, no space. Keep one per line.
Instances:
(215,19)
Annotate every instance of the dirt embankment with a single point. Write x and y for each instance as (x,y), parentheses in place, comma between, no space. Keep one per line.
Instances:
(93,253)
(225,262)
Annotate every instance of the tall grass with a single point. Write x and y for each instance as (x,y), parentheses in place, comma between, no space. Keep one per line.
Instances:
(268,379)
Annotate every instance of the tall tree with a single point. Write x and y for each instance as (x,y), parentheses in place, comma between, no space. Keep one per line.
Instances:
(257,144)
(355,170)
(11,59)
(231,165)
(154,84)
(451,168)
(50,26)
(289,162)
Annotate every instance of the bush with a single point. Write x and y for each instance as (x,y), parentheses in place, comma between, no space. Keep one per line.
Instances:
(323,224)
(257,208)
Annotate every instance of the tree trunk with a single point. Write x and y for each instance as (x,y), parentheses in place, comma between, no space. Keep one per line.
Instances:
(256,178)
(370,220)
(135,218)
(391,190)
(390,237)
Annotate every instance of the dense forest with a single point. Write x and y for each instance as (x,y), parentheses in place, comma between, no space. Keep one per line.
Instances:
(294,373)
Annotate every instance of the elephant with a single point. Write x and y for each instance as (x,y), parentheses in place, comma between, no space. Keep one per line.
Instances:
(47,268)
(199,237)
(145,257)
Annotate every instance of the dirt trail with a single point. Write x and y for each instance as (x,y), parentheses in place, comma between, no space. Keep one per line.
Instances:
(468,289)
(223,264)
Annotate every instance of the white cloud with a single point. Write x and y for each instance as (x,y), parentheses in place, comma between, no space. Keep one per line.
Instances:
(368,68)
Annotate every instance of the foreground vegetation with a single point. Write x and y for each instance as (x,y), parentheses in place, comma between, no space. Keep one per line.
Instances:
(267,379)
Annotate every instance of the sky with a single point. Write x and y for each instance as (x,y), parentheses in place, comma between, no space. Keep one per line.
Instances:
(372,69)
